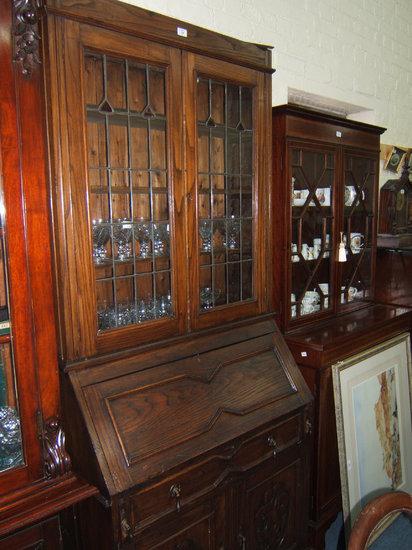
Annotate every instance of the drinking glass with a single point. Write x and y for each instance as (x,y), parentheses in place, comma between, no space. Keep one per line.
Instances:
(160,239)
(208,296)
(232,235)
(122,236)
(205,231)
(101,235)
(142,233)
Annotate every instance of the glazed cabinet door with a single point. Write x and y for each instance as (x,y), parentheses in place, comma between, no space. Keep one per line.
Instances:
(117,118)
(358,225)
(310,259)
(226,107)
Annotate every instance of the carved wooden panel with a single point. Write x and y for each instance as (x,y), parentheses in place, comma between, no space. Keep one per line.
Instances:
(272,519)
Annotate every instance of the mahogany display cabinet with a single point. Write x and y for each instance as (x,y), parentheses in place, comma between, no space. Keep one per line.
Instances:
(184,405)
(325,177)
(36,477)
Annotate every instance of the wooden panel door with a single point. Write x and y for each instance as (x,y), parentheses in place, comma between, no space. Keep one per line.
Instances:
(227,152)
(117,118)
(273,508)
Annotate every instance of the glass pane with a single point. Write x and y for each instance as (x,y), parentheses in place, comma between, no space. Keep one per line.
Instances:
(128,183)
(360,178)
(225,193)
(312,178)
(11,452)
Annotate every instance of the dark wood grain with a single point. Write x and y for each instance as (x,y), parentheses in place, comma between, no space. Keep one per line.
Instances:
(139,22)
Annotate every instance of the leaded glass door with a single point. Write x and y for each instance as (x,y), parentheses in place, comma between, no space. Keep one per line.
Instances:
(227,192)
(121,179)
(312,194)
(360,175)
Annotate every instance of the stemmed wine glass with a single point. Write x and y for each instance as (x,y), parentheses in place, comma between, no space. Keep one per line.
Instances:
(122,236)
(208,297)
(205,231)
(160,239)
(142,232)
(101,235)
(233,230)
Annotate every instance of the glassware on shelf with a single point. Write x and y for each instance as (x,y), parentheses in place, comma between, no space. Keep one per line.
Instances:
(123,237)
(142,235)
(208,297)
(161,239)
(10,438)
(101,236)
(205,231)
(127,313)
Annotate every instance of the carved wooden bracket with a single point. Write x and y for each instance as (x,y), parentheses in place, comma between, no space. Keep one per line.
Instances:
(26,35)
(56,459)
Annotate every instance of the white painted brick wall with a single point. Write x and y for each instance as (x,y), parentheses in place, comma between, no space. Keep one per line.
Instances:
(357,51)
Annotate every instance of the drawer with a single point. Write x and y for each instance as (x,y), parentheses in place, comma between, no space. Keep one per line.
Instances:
(272,440)
(176,491)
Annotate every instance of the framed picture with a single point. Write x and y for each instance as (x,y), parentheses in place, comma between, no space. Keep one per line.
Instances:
(373,420)
(394,160)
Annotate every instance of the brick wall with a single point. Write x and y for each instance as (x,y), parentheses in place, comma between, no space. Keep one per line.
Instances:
(356,51)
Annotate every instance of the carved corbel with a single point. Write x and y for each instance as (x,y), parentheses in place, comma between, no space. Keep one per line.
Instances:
(56,459)
(26,35)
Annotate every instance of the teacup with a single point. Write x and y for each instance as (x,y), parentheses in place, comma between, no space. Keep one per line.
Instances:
(299,196)
(356,242)
(352,292)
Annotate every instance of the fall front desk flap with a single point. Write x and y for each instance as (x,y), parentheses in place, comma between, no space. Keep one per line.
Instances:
(161,408)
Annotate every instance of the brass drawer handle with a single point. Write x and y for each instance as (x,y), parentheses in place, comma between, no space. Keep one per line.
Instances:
(175,492)
(272,444)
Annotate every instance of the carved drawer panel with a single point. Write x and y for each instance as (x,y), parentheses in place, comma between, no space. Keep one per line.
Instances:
(268,442)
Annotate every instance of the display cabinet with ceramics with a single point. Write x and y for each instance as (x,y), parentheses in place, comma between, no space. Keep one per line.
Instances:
(325,177)
(328,186)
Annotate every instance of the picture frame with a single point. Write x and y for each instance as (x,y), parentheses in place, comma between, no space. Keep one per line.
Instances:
(372,392)
(394,160)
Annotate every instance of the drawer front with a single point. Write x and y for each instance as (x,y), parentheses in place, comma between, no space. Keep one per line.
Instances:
(175,492)
(270,441)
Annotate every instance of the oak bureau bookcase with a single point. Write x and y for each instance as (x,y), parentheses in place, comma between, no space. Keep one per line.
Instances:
(184,405)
